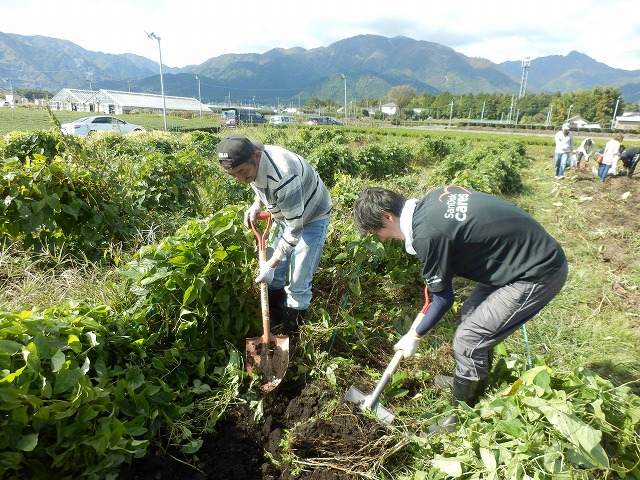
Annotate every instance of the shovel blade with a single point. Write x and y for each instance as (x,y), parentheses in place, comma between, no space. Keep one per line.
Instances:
(270,358)
(356,396)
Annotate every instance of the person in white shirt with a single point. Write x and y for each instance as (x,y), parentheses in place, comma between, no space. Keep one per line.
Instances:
(610,157)
(564,148)
(586,148)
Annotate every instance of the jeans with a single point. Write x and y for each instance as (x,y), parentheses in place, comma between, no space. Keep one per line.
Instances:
(301,264)
(603,171)
(561,162)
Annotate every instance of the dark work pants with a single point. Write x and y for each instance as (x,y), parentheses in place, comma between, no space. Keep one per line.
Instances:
(491,314)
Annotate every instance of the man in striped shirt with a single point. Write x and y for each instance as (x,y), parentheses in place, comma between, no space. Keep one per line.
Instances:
(298,200)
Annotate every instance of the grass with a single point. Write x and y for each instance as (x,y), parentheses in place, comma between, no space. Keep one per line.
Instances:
(27,119)
(589,322)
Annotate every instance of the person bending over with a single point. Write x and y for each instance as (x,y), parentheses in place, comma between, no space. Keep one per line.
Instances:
(454,231)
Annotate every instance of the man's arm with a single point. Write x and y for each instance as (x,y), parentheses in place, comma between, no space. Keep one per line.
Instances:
(441,302)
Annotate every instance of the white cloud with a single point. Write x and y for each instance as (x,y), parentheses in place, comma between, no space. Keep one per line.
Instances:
(193,31)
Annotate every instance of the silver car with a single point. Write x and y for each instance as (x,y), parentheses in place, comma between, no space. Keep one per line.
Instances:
(282,120)
(88,125)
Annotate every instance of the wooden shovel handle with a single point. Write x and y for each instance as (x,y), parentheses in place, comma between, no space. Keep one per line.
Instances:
(261,236)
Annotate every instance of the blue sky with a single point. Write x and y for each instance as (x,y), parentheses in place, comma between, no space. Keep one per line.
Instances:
(193,31)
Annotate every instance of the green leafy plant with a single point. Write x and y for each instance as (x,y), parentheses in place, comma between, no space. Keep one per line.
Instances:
(491,168)
(53,204)
(66,408)
(544,425)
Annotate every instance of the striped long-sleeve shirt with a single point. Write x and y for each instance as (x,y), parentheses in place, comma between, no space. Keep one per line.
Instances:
(292,191)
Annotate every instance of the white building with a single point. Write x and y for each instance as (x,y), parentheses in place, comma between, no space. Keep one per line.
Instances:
(389,108)
(628,120)
(580,122)
(115,102)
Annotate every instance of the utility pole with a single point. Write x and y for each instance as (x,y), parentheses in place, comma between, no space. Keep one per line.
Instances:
(199,97)
(615,112)
(345,97)
(153,36)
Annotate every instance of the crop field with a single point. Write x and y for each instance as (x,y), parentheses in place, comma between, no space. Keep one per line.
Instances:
(127,298)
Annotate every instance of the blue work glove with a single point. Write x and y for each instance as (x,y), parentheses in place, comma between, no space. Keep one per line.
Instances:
(266,274)
(409,344)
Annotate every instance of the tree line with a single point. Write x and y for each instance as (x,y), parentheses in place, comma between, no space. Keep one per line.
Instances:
(598,105)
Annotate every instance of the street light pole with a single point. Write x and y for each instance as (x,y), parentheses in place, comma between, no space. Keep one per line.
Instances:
(345,97)
(569,112)
(615,112)
(199,97)
(153,36)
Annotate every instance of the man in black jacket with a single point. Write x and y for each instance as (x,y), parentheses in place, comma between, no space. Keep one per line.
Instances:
(519,268)
(629,157)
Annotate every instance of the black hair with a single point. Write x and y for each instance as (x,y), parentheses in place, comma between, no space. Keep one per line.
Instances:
(371,203)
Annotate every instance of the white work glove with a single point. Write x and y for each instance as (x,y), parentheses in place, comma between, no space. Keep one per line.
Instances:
(251,213)
(266,274)
(409,344)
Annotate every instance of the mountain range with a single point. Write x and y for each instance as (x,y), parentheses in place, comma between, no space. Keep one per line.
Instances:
(371,64)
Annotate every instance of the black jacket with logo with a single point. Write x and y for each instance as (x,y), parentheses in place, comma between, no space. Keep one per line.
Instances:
(462,232)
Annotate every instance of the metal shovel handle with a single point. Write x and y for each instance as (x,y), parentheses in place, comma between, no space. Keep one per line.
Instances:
(395,361)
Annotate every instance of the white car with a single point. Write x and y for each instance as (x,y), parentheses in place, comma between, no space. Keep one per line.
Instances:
(88,125)
(282,120)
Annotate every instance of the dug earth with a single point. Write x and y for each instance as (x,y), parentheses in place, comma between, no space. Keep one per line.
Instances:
(245,449)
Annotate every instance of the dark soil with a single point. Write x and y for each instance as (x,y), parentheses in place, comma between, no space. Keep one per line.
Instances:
(345,447)
(613,204)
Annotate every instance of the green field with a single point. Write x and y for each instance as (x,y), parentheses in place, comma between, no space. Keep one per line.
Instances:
(127,296)
(28,119)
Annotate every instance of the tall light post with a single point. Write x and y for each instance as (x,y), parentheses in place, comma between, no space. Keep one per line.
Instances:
(345,97)
(199,96)
(569,112)
(450,112)
(615,112)
(153,36)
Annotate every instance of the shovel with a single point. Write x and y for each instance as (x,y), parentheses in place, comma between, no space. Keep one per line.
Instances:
(370,402)
(269,354)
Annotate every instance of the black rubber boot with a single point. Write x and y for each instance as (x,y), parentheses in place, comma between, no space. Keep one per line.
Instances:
(292,319)
(467,391)
(277,305)
(443,381)
(446,381)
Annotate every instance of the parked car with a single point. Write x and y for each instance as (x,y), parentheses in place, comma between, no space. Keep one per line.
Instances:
(103,123)
(234,116)
(323,121)
(283,120)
